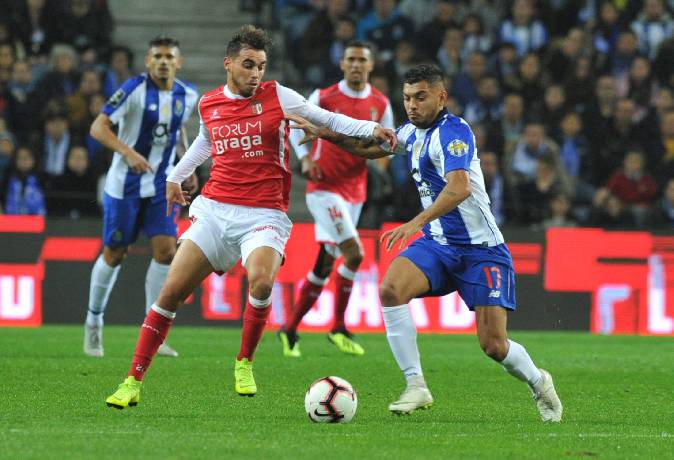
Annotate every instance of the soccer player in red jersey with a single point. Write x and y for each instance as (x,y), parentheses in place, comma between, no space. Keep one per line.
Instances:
(241,212)
(335,194)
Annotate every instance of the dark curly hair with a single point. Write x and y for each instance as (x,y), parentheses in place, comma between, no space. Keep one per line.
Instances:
(423,72)
(248,36)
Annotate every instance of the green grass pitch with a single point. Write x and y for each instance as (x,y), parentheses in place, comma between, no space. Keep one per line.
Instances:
(618,395)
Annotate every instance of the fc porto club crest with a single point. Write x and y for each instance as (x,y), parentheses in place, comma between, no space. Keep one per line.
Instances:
(178,108)
(256,106)
(457,148)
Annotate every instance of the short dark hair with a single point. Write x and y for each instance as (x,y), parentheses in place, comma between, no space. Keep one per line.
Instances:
(163,40)
(423,72)
(248,36)
(355,43)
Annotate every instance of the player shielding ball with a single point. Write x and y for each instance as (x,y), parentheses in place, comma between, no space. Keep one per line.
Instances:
(241,212)
(461,248)
(336,190)
(150,110)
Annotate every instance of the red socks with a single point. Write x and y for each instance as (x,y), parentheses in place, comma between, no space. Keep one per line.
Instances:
(153,332)
(309,291)
(254,321)
(343,287)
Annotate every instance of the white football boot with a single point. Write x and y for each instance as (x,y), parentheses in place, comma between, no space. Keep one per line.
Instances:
(547,401)
(166,350)
(93,341)
(416,396)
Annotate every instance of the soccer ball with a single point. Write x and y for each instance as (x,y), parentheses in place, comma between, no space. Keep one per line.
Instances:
(331,400)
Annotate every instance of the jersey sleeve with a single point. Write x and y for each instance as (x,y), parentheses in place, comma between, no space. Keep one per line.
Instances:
(199,151)
(387,118)
(191,99)
(296,135)
(122,100)
(293,103)
(454,146)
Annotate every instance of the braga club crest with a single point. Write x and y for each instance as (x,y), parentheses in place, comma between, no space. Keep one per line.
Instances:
(256,106)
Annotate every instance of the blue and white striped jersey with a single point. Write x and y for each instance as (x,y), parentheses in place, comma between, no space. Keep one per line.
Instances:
(448,145)
(149,120)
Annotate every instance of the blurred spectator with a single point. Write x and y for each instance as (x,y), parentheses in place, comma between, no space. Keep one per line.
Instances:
(560,16)
(609,212)
(633,185)
(34,23)
(504,63)
(421,12)
(56,142)
(475,37)
(559,211)
(606,30)
(385,27)
(7,144)
(432,34)
(453,106)
(119,69)
(523,30)
(22,104)
(466,83)
(662,213)
(87,25)
(578,86)
(94,147)
(638,85)
(663,66)
(562,60)
(488,106)
(609,147)
(652,27)
(6,61)
(599,112)
(405,59)
(449,55)
(662,148)
(574,156)
(78,103)
(507,129)
(535,194)
(493,182)
(22,191)
(627,48)
(62,80)
(521,160)
(73,194)
(528,82)
(554,108)
(320,47)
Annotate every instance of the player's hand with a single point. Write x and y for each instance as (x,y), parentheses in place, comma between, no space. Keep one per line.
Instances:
(385,135)
(311,169)
(137,162)
(175,194)
(191,185)
(401,233)
(311,131)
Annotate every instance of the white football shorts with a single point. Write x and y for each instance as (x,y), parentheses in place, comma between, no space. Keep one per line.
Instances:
(335,218)
(226,232)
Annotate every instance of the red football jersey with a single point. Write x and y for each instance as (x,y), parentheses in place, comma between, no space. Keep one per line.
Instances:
(344,173)
(249,147)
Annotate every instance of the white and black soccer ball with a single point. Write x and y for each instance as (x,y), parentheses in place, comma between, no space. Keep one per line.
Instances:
(331,400)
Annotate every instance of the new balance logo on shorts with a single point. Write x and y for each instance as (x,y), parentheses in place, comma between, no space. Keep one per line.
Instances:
(495,293)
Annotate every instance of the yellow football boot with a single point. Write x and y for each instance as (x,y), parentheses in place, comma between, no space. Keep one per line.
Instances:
(127,394)
(244,382)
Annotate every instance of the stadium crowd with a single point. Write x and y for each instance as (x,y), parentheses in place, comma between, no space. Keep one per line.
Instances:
(571,101)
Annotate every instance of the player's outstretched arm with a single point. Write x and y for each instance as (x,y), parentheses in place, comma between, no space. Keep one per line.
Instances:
(360,147)
(457,189)
(101,131)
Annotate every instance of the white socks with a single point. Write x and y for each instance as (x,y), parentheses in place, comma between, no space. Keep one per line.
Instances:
(165,313)
(346,272)
(259,303)
(518,363)
(154,280)
(402,338)
(103,279)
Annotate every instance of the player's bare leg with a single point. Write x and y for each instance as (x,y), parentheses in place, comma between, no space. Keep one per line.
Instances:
(188,269)
(262,265)
(493,336)
(103,278)
(352,257)
(163,251)
(403,282)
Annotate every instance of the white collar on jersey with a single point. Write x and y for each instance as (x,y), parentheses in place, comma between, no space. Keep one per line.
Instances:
(229,94)
(344,88)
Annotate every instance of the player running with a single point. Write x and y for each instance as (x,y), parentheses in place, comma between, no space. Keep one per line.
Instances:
(241,212)
(336,191)
(150,110)
(461,248)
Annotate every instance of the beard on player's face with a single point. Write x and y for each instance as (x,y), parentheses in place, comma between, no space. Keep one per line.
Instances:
(245,71)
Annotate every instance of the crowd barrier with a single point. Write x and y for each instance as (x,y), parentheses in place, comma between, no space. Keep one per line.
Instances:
(583,279)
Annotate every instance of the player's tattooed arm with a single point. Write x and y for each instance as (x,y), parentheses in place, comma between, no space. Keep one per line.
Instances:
(457,189)
(361,147)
